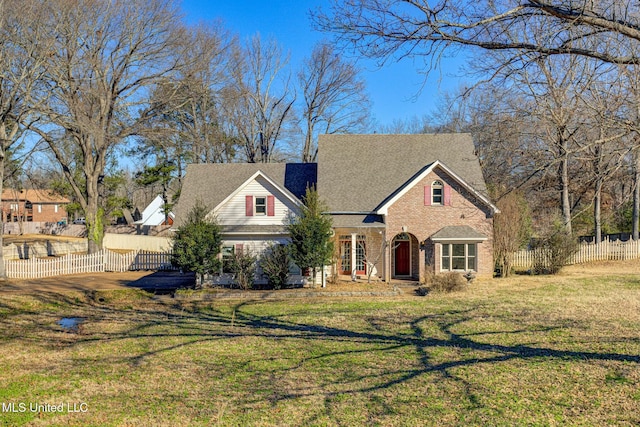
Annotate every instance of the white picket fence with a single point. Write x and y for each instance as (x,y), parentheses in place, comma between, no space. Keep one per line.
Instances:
(588,252)
(102,261)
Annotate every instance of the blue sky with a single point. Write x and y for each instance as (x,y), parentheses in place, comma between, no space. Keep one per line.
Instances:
(396,89)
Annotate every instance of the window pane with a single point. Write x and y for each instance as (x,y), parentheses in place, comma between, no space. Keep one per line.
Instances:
(458,263)
(437,196)
(445,250)
(471,263)
(471,249)
(445,263)
(458,250)
(345,255)
(436,193)
(360,255)
(261,205)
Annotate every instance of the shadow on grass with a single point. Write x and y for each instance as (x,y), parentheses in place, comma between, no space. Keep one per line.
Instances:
(193,324)
(163,282)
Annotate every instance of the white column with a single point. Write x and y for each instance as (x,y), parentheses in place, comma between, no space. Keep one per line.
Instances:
(354,242)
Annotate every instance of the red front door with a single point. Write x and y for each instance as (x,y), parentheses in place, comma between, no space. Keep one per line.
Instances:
(403,256)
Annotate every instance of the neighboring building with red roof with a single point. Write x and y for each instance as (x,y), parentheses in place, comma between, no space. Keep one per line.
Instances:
(33,206)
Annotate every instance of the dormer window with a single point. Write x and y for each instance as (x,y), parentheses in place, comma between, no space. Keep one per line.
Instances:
(437,193)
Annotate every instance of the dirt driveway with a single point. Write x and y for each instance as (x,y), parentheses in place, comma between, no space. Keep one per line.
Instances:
(160,282)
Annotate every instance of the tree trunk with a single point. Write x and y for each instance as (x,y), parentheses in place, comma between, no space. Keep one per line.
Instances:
(597,219)
(306,151)
(636,198)
(506,265)
(165,200)
(3,273)
(94,216)
(563,172)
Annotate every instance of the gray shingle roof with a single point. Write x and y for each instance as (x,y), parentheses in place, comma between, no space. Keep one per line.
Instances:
(357,172)
(212,183)
(453,232)
(349,221)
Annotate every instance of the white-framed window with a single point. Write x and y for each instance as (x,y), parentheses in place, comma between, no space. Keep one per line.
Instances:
(437,193)
(14,206)
(55,208)
(360,254)
(39,208)
(227,256)
(459,257)
(260,205)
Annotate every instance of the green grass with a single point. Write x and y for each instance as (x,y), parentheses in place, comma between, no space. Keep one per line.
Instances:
(524,351)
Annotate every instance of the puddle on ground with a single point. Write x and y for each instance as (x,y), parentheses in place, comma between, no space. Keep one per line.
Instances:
(70,323)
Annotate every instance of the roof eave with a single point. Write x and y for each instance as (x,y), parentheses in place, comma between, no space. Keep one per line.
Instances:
(459,239)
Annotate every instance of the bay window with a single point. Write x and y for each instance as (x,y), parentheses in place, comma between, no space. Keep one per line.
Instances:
(459,257)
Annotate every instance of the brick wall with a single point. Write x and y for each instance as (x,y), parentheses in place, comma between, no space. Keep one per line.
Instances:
(49,213)
(423,221)
(39,212)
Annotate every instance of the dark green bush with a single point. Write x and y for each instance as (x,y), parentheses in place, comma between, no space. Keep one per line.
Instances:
(196,244)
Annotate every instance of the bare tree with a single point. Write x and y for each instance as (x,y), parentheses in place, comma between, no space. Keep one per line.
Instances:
(606,30)
(193,128)
(259,103)
(334,98)
(106,59)
(22,41)
(500,120)
(606,143)
(373,247)
(552,90)
(558,109)
(511,230)
(631,121)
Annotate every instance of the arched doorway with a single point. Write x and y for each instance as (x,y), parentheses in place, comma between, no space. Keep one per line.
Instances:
(403,246)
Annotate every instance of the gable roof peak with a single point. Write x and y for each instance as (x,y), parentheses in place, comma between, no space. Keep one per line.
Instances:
(357,173)
(215,182)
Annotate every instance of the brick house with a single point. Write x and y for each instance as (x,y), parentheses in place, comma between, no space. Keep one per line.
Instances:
(33,206)
(406,205)
(402,205)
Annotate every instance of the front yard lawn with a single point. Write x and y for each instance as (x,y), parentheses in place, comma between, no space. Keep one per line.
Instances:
(524,351)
